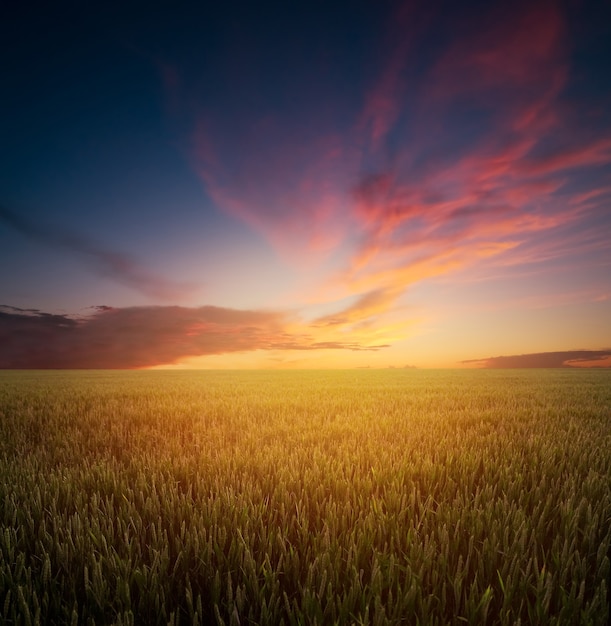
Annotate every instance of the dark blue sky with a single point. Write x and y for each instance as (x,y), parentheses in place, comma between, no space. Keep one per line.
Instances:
(347,159)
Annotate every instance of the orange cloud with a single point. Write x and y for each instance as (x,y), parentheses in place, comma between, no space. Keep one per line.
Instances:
(368,305)
(594,361)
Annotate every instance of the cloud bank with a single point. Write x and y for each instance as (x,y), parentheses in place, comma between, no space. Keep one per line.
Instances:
(568,358)
(137,337)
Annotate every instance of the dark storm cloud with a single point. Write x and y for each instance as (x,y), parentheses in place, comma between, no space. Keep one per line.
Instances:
(568,358)
(120,267)
(143,336)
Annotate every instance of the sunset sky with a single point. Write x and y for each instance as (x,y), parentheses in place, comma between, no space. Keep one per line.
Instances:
(313,184)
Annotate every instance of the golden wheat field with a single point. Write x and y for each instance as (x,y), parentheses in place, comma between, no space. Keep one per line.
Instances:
(311,497)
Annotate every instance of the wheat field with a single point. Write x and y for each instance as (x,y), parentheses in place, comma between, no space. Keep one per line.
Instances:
(311,497)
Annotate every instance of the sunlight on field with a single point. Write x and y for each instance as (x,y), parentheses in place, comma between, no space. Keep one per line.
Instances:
(312,497)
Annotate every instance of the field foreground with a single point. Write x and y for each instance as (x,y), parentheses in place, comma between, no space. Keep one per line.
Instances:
(352,497)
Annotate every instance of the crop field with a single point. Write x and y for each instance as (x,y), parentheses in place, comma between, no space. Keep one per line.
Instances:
(315,497)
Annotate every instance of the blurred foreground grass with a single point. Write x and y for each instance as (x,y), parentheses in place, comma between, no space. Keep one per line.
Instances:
(316,497)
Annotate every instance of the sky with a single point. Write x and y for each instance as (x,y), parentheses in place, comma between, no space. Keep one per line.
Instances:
(305,185)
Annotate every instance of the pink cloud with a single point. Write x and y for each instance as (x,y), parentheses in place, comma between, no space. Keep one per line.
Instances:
(285,187)
(412,192)
(595,153)
(384,102)
(499,194)
(519,52)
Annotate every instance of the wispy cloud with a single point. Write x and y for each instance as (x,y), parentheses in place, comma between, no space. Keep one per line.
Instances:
(118,266)
(367,306)
(461,153)
(136,337)
(277,179)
